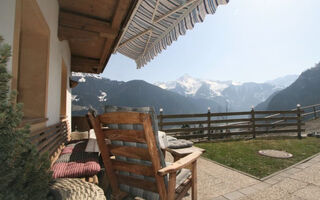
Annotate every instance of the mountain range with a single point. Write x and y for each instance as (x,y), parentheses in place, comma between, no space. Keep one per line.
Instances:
(232,96)
(96,92)
(304,91)
(186,95)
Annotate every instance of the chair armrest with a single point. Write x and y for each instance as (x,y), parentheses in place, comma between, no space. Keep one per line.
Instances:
(181,163)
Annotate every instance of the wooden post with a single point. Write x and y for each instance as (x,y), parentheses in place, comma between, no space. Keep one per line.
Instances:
(209,123)
(253,123)
(314,112)
(161,119)
(299,121)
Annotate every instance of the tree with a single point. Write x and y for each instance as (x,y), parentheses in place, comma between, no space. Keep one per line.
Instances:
(24,173)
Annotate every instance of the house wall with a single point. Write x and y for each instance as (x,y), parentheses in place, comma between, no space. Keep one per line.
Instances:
(58,51)
(7,20)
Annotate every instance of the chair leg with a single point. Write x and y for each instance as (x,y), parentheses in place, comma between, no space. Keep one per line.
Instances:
(194,181)
(172,186)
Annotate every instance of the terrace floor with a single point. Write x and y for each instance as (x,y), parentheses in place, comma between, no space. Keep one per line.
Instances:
(298,182)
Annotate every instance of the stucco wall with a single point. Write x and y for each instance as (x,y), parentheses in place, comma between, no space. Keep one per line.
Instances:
(7,17)
(58,50)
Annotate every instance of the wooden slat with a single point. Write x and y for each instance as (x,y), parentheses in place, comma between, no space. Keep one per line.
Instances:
(122,118)
(229,114)
(277,125)
(175,130)
(36,139)
(49,139)
(231,120)
(275,118)
(184,189)
(125,135)
(133,168)
(191,136)
(38,132)
(72,20)
(182,123)
(139,183)
(105,153)
(183,116)
(230,127)
(55,140)
(131,152)
(154,156)
(306,107)
(276,112)
(279,131)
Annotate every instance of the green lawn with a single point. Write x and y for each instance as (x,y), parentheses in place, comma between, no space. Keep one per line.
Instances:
(243,155)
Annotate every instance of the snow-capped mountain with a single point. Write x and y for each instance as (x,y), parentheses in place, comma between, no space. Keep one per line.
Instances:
(233,95)
(283,82)
(189,86)
(96,92)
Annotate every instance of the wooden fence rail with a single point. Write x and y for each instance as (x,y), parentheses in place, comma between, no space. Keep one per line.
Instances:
(212,125)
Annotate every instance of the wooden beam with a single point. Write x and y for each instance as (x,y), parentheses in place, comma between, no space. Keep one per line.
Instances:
(75,21)
(122,8)
(66,33)
(82,64)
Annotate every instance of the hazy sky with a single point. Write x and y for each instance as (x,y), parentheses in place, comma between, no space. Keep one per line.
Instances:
(246,40)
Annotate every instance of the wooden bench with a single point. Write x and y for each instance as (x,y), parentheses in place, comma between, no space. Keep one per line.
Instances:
(52,140)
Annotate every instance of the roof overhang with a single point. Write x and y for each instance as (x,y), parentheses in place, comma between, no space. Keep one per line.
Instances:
(93,28)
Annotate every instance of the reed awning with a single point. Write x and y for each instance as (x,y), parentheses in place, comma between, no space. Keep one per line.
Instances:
(155,24)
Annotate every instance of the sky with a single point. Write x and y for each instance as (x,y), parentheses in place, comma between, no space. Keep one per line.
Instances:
(246,40)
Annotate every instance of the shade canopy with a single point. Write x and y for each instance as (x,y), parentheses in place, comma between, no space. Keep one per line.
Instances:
(155,24)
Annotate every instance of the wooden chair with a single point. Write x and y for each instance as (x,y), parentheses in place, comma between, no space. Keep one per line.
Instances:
(136,168)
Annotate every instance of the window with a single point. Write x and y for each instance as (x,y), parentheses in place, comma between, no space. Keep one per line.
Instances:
(33,61)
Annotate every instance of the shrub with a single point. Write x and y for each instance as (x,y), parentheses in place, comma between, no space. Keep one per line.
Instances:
(24,173)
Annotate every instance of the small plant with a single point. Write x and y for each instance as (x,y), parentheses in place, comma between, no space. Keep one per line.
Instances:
(24,174)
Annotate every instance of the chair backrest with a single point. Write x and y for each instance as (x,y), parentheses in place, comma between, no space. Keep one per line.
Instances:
(130,137)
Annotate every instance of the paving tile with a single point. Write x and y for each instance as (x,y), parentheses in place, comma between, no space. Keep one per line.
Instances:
(309,193)
(274,180)
(220,198)
(234,195)
(292,171)
(291,185)
(248,190)
(261,186)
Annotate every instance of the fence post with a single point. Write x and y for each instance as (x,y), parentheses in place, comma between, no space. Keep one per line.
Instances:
(253,123)
(161,119)
(209,124)
(314,112)
(299,120)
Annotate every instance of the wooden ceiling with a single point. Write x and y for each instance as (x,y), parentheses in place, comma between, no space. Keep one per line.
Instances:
(92,27)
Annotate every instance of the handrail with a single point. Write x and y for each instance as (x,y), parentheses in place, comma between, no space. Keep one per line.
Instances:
(209,125)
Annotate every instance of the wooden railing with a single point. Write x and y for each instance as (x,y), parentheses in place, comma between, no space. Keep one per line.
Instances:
(51,139)
(218,125)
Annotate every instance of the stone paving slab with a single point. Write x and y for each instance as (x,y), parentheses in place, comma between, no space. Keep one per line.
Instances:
(215,180)
(300,182)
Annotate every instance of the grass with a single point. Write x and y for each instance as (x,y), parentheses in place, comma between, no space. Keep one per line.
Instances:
(243,155)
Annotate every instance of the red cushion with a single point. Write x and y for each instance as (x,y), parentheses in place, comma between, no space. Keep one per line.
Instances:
(75,147)
(75,169)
